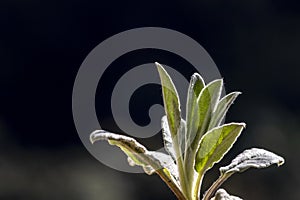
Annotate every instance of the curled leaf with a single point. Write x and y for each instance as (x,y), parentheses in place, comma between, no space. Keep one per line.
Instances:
(257,158)
(138,155)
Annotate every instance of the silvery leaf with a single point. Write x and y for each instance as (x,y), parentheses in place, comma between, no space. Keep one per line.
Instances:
(221,194)
(167,138)
(138,155)
(256,158)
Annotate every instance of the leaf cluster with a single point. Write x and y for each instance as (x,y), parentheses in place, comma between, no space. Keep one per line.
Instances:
(193,143)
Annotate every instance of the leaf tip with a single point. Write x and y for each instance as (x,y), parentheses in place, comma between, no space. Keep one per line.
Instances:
(281,161)
(241,124)
(95,135)
(158,65)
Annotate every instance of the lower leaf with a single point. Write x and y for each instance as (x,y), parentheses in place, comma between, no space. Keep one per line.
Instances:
(151,161)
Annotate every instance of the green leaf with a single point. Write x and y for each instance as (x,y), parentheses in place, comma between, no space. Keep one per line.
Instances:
(138,155)
(192,109)
(222,108)
(171,100)
(215,144)
(256,158)
(207,100)
(172,109)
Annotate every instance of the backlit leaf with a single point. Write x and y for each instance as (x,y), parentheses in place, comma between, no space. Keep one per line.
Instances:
(215,144)
(221,109)
(192,110)
(171,100)
(207,101)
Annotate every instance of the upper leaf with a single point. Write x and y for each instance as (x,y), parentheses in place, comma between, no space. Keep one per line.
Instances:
(207,101)
(192,109)
(171,100)
(257,158)
(222,108)
(215,144)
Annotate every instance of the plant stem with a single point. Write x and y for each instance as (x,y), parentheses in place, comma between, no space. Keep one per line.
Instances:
(183,178)
(175,189)
(198,184)
(189,171)
(213,188)
(181,171)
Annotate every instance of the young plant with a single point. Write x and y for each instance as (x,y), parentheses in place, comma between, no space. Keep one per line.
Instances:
(195,144)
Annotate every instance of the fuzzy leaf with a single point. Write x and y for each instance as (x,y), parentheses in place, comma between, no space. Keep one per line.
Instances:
(215,144)
(222,108)
(207,101)
(192,110)
(257,158)
(171,100)
(221,194)
(167,138)
(181,138)
(138,154)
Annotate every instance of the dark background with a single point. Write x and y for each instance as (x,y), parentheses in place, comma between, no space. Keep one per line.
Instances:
(255,44)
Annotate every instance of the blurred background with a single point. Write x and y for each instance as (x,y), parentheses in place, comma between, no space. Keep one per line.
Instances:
(255,45)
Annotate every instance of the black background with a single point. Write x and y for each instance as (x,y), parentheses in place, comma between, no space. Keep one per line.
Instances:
(255,44)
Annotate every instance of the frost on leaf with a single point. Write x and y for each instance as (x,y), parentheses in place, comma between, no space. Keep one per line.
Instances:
(168,143)
(138,154)
(256,158)
(221,194)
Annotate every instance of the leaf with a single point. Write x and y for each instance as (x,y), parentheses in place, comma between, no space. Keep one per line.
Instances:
(207,101)
(192,110)
(221,194)
(171,100)
(215,144)
(181,138)
(138,155)
(222,108)
(167,138)
(172,110)
(257,158)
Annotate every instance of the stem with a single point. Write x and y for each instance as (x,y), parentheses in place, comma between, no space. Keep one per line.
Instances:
(189,171)
(180,166)
(198,184)
(213,188)
(182,178)
(171,184)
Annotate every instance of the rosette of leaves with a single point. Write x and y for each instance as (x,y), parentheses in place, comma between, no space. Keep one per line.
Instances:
(193,144)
